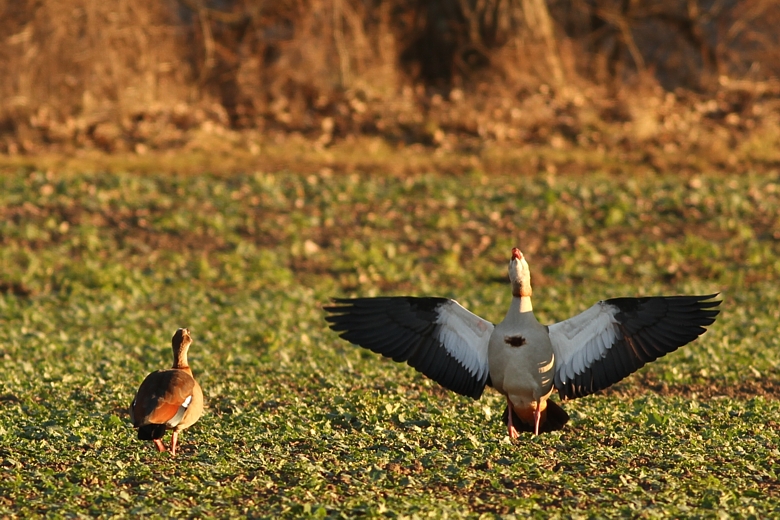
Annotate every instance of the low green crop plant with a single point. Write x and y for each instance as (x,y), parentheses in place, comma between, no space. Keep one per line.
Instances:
(97,271)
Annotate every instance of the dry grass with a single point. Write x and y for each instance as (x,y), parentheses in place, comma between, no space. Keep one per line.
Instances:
(673,86)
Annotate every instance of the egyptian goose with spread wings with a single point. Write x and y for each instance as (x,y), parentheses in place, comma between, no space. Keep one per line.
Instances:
(168,399)
(521,358)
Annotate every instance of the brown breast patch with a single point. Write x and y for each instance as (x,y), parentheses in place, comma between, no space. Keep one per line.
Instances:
(514,341)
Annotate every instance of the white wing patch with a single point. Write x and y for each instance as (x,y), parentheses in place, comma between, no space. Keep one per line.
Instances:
(583,339)
(176,419)
(465,336)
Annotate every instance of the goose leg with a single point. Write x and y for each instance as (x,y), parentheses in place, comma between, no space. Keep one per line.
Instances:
(511,430)
(537,416)
(173,443)
(159,445)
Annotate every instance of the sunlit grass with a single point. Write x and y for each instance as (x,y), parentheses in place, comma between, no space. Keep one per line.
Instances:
(98,270)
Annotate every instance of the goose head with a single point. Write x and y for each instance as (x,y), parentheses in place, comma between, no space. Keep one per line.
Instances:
(180,343)
(519,274)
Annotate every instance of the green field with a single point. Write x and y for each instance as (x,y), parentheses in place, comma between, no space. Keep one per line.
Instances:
(97,271)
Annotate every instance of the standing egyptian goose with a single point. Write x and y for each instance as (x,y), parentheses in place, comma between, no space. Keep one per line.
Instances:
(168,399)
(521,358)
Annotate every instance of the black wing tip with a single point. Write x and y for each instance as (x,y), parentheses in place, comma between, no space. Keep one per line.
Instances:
(355,320)
(702,301)
(700,309)
(698,297)
(343,307)
(341,300)
(705,307)
(340,304)
(708,301)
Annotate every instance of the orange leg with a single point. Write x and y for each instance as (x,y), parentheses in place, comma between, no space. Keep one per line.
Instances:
(173,443)
(537,417)
(159,445)
(511,431)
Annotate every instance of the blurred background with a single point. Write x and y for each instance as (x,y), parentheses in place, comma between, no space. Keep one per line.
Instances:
(671,84)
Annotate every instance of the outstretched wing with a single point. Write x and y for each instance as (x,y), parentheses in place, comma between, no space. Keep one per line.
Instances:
(616,337)
(436,336)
